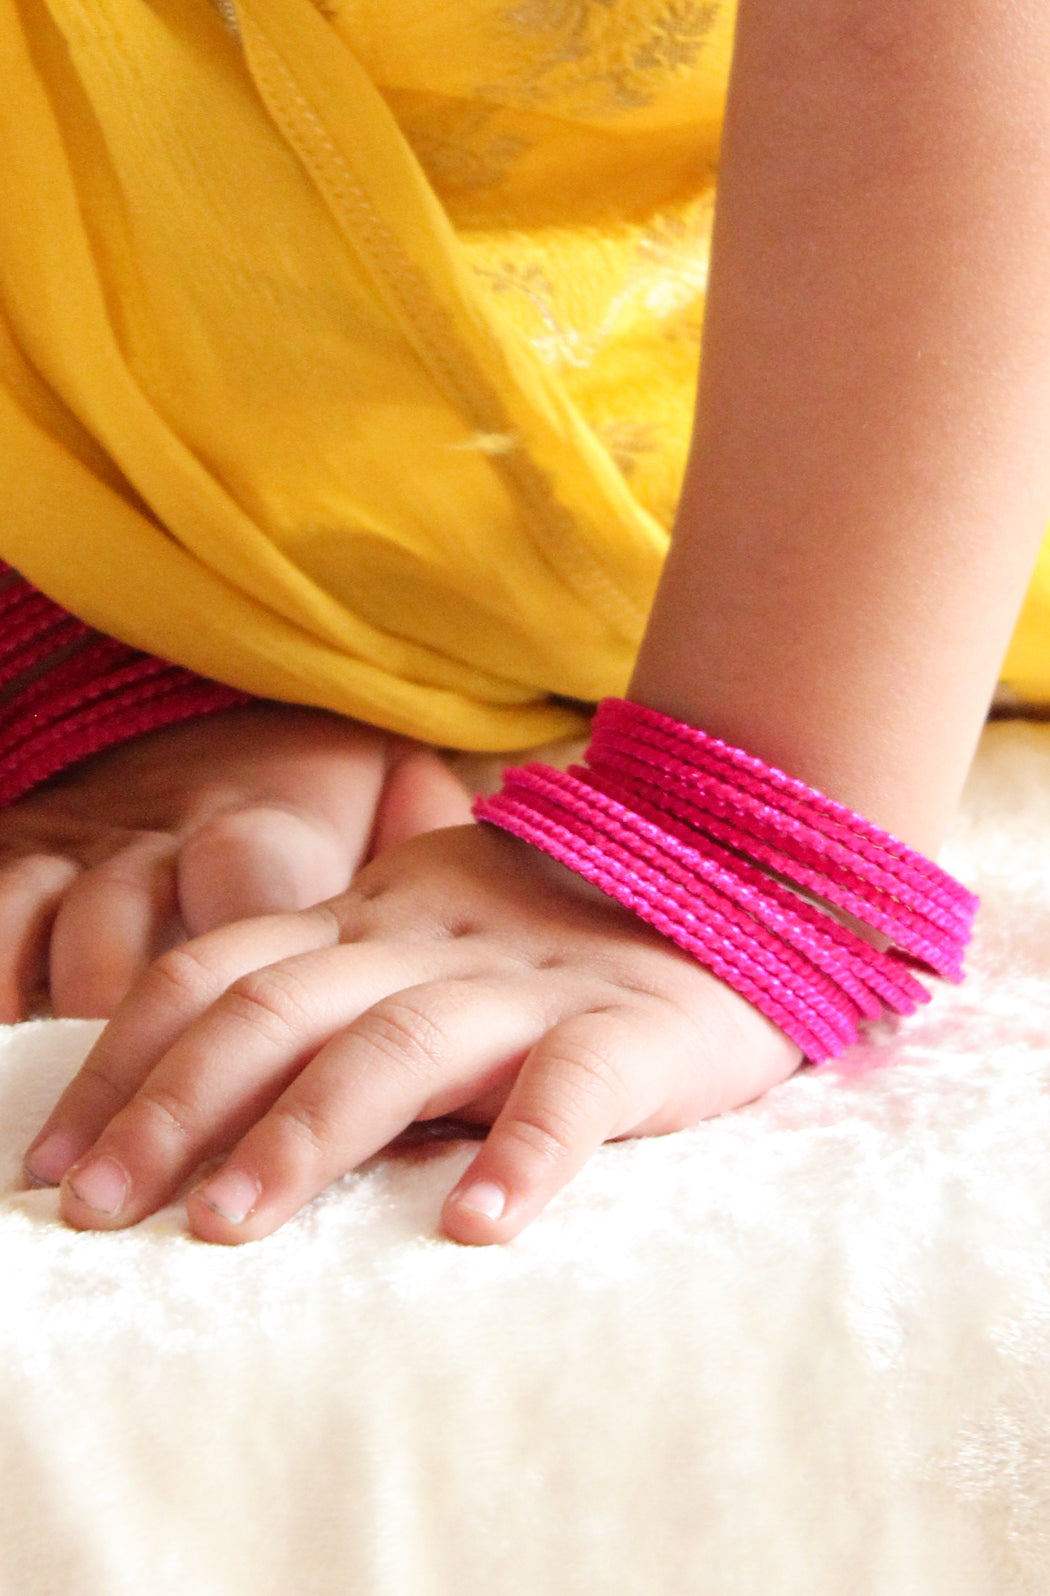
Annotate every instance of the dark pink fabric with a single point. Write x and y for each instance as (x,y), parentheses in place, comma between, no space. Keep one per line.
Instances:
(102,694)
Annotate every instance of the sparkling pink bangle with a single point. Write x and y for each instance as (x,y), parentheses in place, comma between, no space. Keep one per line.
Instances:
(715,849)
(71,692)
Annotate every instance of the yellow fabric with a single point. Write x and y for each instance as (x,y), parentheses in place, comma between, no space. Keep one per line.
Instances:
(1026,668)
(348,355)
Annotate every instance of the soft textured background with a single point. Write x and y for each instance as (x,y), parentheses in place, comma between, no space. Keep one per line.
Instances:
(803,1350)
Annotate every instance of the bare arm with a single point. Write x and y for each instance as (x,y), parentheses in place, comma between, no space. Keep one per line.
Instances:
(870,476)
(867,493)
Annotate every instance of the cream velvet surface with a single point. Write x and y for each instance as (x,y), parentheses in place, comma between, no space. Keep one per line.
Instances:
(803,1350)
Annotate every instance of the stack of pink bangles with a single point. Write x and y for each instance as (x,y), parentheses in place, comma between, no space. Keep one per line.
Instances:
(702,840)
(76,693)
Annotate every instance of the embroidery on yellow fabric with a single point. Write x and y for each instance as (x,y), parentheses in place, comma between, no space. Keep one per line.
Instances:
(349,350)
(602,57)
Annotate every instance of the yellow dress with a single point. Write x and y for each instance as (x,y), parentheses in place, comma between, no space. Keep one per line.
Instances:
(348,350)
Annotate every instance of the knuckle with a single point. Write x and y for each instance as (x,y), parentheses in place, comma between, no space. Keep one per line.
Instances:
(174,1116)
(546,1135)
(588,1078)
(180,975)
(591,1066)
(404,1036)
(93,1076)
(269,1001)
(305,1121)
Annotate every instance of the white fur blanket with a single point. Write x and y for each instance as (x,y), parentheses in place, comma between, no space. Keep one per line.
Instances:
(803,1350)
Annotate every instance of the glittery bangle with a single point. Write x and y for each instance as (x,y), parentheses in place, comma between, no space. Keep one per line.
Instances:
(907,926)
(681,748)
(671,835)
(69,693)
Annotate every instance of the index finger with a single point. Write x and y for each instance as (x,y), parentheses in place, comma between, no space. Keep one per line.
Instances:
(174,992)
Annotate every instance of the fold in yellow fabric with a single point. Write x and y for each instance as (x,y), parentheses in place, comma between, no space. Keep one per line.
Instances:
(347,353)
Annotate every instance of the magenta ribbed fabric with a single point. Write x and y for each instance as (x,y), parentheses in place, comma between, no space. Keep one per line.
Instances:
(102,693)
(684,829)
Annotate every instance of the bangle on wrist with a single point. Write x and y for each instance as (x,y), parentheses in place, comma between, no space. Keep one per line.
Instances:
(715,849)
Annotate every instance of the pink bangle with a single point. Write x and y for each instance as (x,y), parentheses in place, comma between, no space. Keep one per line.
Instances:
(554,816)
(933,945)
(100,694)
(683,829)
(681,750)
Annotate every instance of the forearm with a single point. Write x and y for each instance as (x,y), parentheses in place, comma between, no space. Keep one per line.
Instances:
(870,475)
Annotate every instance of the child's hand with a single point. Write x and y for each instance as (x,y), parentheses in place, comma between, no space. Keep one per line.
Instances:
(462,974)
(248,812)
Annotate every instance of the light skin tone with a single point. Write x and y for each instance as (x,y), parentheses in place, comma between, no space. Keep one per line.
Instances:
(867,492)
(249,812)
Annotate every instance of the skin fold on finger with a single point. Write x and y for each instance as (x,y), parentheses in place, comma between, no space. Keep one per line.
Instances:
(178,989)
(422,1054)
(456,894)
(621,1071)
(595,1076)
(226,1072)
(111,923)
(261,859)
(31,890)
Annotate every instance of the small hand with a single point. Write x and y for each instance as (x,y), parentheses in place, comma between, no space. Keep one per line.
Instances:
(462,974)
(255,810)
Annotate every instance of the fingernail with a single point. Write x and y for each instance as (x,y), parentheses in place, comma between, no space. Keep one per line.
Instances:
(231,1194)
(483,1198)
(45,1165)
(102,1183)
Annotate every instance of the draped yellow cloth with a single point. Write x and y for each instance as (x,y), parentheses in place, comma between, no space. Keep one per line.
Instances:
(348,351)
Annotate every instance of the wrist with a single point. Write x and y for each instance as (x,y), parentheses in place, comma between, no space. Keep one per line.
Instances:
(725,856)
